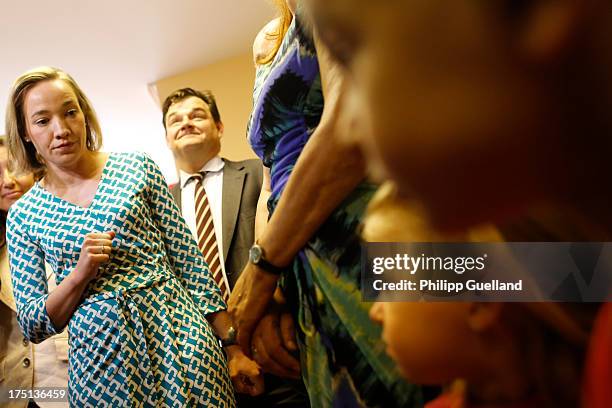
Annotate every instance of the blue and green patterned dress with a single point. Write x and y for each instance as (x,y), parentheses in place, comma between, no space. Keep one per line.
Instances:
(139,338)
(343,359)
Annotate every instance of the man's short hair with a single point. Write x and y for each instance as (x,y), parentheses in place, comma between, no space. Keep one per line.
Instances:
(184,93)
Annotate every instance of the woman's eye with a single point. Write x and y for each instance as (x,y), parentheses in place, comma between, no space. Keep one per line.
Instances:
(41,122)
(72,112)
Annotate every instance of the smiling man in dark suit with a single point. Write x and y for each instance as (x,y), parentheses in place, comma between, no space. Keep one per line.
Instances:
(218,199)
(193,134)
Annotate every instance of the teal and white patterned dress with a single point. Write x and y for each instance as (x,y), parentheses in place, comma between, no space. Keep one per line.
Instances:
(139,338)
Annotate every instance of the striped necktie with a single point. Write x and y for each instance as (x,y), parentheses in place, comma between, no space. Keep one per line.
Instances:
(207,242)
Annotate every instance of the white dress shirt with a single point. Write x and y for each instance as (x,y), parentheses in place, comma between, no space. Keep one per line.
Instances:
(213,185)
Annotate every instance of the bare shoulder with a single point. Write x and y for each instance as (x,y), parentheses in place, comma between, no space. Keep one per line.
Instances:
(264,41)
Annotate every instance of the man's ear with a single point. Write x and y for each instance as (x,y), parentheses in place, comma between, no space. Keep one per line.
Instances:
(220,127)
(483,315)
(547,27)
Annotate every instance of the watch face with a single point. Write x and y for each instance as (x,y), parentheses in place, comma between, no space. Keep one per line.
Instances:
(231,334)
(255,254)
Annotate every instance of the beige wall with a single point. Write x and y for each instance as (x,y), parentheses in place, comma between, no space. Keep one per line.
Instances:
(231,81)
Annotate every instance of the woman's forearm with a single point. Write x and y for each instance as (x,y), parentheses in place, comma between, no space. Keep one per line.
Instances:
(328,169)
(64,299)
(326,172)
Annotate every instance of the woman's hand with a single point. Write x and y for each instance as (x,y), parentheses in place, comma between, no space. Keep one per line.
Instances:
(64,299)
(249,300)
(244,372)
(96,250)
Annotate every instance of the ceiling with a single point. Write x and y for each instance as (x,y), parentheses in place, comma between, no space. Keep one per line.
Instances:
(115,48)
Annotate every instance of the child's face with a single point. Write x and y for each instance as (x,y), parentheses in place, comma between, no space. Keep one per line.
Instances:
(430,342)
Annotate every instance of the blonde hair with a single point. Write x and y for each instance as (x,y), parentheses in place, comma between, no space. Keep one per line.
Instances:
(2,212)
(23,155)
(285,17)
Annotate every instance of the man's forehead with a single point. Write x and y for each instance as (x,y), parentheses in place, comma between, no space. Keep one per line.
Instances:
(189,104)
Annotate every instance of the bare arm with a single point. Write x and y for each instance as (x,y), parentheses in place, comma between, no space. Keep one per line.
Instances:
(64,299)
(328,169)
(244,372)
(274,337)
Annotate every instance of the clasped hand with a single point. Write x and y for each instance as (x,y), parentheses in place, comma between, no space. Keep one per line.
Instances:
(244,372)
(264,329)
(96,250)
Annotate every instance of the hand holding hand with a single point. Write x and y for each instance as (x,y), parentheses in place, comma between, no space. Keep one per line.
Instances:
(273,342)
(249,300)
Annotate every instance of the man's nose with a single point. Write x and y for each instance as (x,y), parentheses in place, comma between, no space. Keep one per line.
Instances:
(187,123)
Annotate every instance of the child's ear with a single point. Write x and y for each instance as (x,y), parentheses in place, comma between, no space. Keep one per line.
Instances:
(483,315)
(546,28)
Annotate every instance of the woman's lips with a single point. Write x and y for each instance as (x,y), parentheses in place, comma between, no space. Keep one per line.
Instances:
(12,194)
(63,145)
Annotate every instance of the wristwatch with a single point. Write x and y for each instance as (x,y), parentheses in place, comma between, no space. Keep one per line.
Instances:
(257,257)
(230,339)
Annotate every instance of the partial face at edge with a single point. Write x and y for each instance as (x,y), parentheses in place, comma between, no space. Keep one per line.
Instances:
(12,186)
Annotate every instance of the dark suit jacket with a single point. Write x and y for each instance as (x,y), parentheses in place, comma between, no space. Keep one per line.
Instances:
(241,187)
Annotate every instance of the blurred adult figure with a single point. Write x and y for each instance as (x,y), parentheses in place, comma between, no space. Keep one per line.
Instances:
(316,200)
(485,113)
(488,111)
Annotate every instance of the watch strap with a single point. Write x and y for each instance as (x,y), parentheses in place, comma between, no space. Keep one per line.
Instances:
(261,262)
(268,267)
